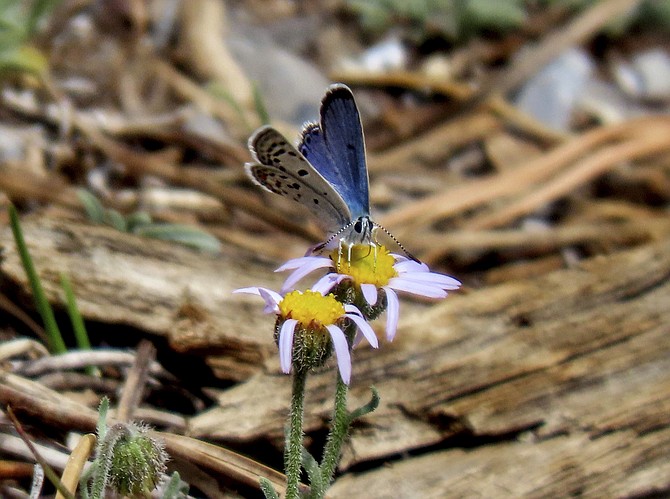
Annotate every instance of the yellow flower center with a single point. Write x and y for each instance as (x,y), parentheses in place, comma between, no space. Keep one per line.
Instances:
(310,307)
(366,264)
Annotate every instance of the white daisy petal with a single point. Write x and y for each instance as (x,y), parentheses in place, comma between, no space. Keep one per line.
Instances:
(392,313)
(369,293)
(315,263)
(352,309)
(400,284)
(410,266)
(253,290)
(272,298)
(341,351)
(328,282)
(286,344)
(365,328)
(295,263)
(444,281)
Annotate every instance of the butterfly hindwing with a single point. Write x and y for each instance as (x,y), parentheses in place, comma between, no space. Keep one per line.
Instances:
(336,148)
(282,169)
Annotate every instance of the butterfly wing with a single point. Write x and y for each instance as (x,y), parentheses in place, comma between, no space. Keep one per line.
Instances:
(336,148)
(280,168)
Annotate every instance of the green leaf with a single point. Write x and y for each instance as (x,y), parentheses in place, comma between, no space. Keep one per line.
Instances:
(176,487)
(39,10)
(101,428)
(184,234)
(138,219)
(25,59)
(656,13)
(367,408)
(116,220)
(501,15)
(92,206)
(12,18)
(313,470)
(373,15)
(268,490)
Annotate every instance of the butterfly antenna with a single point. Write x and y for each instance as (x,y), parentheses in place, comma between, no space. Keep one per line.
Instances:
(333,236)
(393,238)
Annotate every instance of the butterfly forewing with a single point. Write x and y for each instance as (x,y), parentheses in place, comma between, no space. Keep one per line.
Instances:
(282,169)
(337,148)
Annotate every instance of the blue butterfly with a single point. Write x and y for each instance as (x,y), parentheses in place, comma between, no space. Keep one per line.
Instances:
(326,172)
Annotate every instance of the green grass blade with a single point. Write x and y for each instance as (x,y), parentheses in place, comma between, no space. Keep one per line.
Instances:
(80,333)
(57,345)
(259,104)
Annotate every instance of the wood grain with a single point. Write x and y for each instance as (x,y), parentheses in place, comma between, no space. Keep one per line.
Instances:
(553,386)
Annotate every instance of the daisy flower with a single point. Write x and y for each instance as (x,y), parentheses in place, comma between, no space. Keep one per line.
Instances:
(370,277)
(310,325)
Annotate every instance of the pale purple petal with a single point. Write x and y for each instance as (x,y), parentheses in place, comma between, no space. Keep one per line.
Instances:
(328,282)
(352,309)
(410,266)
(341,351)
(369,293)
(365,328)
(272,298)
(441,280)
(392,313)
(286,344)
(310,265)
(253,290)
(399,258)
(295,263)
(400,284)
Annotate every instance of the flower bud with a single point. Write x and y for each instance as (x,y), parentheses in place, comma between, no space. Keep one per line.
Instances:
(137,461)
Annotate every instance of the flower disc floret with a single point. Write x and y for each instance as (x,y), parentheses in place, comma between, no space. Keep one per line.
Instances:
(369,277)
(365,264)
(311,307)
(310,325)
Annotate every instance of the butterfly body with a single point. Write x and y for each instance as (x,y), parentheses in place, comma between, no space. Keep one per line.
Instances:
(326,172)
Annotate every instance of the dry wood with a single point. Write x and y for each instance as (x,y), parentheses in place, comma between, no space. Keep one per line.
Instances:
(136,379)
(215,463)
(151,285)
(560,380)
(486,191)
(574,33)
(545,388)
(76,462)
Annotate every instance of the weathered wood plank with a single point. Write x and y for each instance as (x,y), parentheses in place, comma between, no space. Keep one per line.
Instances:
(569,362)
(159,287)
(553,386)
(619,464)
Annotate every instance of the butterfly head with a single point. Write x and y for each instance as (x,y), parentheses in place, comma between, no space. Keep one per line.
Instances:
(361,231)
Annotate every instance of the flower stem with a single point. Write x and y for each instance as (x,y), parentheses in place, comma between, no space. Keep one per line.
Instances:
(293,453)
(338,432)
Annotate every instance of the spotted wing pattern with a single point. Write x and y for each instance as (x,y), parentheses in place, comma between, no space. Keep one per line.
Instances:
(280,168)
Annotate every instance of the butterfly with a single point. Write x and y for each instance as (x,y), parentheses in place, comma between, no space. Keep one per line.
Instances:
(326,172)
